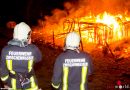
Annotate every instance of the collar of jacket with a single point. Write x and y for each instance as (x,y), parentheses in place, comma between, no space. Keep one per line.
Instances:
(20,43)
(68,49)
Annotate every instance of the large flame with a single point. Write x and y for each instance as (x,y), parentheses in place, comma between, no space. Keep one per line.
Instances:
(110,21)
(97,29)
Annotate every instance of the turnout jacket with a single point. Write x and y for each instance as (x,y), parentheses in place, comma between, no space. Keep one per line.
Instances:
(19,60)
(71,71)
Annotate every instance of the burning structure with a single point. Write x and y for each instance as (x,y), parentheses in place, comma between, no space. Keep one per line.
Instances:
(97,22)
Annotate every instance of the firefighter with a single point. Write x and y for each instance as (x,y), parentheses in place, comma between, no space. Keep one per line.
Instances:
(18,59)
(72,67)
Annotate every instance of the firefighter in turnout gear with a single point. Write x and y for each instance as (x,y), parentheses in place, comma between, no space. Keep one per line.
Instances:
(17,60)
(72,67)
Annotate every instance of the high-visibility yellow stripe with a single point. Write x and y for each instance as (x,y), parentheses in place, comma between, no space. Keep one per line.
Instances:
(33,84)
(30,63)
(4,78)
(10,67)
(13,82)
(83,77)
(9,64)
(65,77)
(13,72)
(55,86)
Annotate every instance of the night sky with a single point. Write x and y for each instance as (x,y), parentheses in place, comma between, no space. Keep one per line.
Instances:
(27,10)
(31,10)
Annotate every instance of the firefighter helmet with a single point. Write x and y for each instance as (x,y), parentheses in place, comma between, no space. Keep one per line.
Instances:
(21,31)
(72,40)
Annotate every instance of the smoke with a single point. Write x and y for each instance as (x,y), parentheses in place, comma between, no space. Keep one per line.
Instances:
(81,8)
(78,10)
(111,6)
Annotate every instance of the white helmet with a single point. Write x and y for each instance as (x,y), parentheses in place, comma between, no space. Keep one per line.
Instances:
(21,31)
(72,40)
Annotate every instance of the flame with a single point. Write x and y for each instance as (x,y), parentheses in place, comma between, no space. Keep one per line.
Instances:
(111,21)
(98,29)
(106,19)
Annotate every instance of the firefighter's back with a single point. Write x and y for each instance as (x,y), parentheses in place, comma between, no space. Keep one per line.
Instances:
(75,69)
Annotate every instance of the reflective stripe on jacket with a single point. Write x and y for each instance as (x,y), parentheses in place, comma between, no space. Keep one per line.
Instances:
(15,60)
(71,71)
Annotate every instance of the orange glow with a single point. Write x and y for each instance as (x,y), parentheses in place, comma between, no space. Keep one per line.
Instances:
(94,29)
(111,21)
